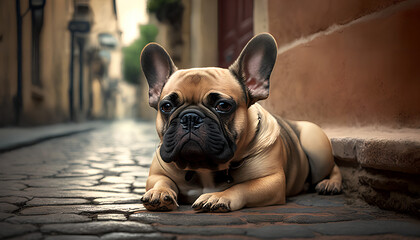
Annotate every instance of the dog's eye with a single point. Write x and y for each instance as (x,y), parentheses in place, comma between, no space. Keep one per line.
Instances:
(166,107)
(223,107)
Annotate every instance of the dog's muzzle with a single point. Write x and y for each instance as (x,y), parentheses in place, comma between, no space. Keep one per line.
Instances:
(194,140)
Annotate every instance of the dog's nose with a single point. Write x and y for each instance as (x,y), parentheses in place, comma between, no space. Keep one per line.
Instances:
(191,121)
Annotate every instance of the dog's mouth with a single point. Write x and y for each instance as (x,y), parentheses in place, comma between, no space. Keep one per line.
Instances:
(191,151)
(193,156)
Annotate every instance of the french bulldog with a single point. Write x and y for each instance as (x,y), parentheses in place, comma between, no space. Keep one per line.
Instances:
(220,150)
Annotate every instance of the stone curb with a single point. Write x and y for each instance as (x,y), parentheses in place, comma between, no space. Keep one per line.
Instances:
(17,137)
(380,166)
(395,150)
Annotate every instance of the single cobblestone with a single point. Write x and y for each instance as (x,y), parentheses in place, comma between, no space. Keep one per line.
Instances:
(113,217)
(13,200)
(78,171)
(203,231)
(117,200)
(263,218)
(131,168)
(29,236)
(119,188)
(306,219)
(10,230)
(97,227)
(11,177)
(72,237)
(137,175)
(136,236)
(280,231)
(99,165)
(288,208)
(49,218)
(4,216)
(59,182)
(113,179)
(8,208)
(124,208)
(185,219)
(316,200)
(55,201)
(12,185)
(42,170)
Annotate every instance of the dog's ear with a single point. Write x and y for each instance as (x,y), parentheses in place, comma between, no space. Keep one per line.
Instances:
(157,66)
(254,65)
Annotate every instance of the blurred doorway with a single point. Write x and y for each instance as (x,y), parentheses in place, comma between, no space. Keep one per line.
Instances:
(235,28)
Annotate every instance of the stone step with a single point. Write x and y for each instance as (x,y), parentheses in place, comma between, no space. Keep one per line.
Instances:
(384,149)
(380,165)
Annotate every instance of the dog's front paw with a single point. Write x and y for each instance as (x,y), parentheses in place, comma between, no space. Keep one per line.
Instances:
(212,202)
(328,187)
(161,199)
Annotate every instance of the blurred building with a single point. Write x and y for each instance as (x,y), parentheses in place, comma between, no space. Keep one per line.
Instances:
(60,61)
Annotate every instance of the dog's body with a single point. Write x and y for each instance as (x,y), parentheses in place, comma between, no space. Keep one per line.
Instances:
(222,151)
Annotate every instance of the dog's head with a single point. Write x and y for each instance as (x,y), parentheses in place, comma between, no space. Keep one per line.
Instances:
(202,112)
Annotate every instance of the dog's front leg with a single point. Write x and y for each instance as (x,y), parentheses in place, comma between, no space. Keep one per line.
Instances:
(262,191)
(161,194)
(161,191)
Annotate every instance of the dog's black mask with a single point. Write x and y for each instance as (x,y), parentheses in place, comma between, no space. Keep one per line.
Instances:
(195,140)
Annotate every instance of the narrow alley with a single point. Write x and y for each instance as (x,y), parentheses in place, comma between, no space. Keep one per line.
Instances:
(78,112)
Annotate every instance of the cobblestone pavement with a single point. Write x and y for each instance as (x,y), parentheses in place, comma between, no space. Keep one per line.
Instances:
(88,186)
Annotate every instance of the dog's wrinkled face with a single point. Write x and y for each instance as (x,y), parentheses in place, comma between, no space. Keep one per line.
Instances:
(202,112)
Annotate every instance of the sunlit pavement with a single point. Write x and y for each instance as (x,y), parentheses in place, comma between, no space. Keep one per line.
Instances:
(88,186)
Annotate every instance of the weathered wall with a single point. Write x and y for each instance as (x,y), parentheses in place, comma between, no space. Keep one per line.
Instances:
(48,101)
(203,38)
(347,63)
(39,104)
(48,104)
(260,16)
(8,60)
